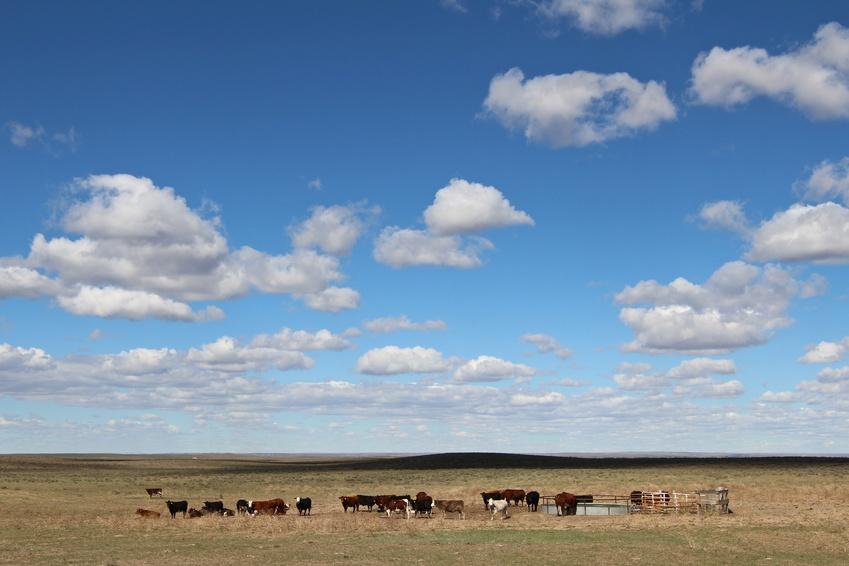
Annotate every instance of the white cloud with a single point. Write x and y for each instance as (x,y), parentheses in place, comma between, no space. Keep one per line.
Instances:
(525,399)
(490,368)
(606,17)
(333,229)
(302,341)
(828,180)
(226,354)
(405,247)
(462,207)
(393,323)
(454,6)
(22,135)
(545,344)
(818,233)
(739,305)
(23,359)
(579,108)
(825,352)
(333,299)
(725,214)
(813,77)
(691,379)
(144,244)
(700,367)
(779,397)
(831,375)
(315,184)
(392,360)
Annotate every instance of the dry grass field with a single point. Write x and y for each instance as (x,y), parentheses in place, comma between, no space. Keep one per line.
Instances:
(80,510)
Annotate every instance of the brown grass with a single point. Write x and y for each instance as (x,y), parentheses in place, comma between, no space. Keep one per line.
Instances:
(80,510)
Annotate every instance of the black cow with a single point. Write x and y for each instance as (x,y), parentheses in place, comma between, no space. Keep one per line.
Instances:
(487,495)
(175,507)
(423,506)
(214,507)
(366,501)
(532,499)
(304,505)
(242,507)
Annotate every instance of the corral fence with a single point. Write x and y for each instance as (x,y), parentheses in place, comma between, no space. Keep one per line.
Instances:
(702,501)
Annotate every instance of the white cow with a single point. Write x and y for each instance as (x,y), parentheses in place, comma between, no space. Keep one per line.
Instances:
(498,506)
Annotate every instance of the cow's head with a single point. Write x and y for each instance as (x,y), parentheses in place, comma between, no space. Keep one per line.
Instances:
(297,500)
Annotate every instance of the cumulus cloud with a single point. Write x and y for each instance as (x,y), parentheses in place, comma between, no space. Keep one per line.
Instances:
(462,207)
(740,305)
(333,229)
(302,341)
(605,17)
(333,299)
(393,360)
(143,252)
(828,180)
(394,323)
(825,352)
(779,397)
(725,214)
(813,77)
(545,344)
(490,368)
(23,359)
(691,378)
(817,233)
(579,108)
(227,354)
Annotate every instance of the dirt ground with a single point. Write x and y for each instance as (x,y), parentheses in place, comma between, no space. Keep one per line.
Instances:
(80,510)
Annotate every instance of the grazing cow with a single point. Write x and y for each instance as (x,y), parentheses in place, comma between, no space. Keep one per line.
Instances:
(423,506)
(350,501)
(487,495)
(567,504)
(304,505)
(515,495)
(213,507)
(194,513)
(450,506)
(151,491)
(400,505)
(532,499)
(242,507)
(584,498)
(269,507)
(498,506)
(365,501)
(148,513)
(175,507)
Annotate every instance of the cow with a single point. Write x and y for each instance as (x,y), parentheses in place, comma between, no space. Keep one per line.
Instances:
(270,507)
(365,501)
(242,507)
(148,513)
(487,495)
(515,495)
(214,507)
(175,507)
(151,491)
(383,500)
(228,512)
(450,506)
(423,506)
(532,499)
(421,495)
(350,501)
(566,503)
(304,505)
(194,513)
(498,506)
(400,505)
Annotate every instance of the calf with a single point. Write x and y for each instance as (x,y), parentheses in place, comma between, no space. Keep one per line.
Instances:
(304,505)
(567,504)
(147,513)
(498,506)
(532,499)
(515,495)
(228,512)
(423,506)
(175,507)
(270,507)
(194,513)
(487,495)
(151,491)
(214,507)
(242,507)
(400,505)
(450,506)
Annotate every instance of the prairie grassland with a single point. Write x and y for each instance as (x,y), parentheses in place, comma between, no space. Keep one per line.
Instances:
(80,510)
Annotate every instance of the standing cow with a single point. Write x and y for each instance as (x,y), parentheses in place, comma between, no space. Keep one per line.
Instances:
(487,495)
(304,505)
(450,506)
(151,491)
(515,495)
(242,507)
(175,507)
(567,504)
(400,505)
(498,506)
(532,499)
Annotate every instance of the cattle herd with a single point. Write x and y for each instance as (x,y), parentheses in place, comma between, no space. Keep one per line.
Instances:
(496,502)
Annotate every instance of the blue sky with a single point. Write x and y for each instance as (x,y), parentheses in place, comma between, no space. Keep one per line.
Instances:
(556,226)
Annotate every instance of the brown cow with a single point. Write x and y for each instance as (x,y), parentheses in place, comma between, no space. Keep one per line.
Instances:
(401,505)
(194,513)
(151,491)
(515,495)
(269,507)
(383,500)
(148,513)
(567,504)
(350,501)
(451,506)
